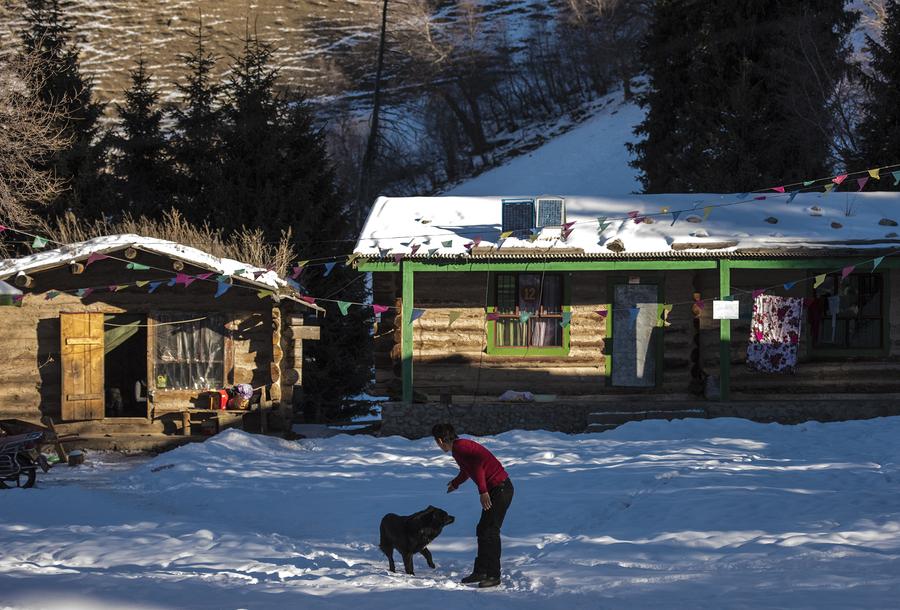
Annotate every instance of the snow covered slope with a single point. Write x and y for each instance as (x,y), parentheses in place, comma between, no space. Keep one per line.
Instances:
(718,513)
(591,158)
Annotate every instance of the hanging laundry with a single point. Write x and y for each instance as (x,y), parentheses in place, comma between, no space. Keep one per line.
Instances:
(774,334)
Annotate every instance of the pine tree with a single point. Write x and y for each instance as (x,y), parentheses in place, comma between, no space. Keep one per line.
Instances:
(196,141)
(879,129)
(48,34)
(739,93)
(142,160)
(277,176)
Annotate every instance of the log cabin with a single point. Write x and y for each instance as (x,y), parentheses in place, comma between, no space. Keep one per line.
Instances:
(127,336)
(579,313)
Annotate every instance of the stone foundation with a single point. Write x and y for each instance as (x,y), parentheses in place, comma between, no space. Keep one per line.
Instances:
(415,421)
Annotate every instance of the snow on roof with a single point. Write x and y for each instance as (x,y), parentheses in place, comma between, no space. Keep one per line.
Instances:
(812,221)
(111,243)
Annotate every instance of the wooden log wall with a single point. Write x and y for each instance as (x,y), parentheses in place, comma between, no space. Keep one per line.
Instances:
(453,359)
(30,363)
(814,375)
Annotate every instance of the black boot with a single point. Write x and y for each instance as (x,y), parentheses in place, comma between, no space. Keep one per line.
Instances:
(474,577)
(490,581)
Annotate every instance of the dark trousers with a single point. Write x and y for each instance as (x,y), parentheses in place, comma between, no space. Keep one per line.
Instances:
(488,529)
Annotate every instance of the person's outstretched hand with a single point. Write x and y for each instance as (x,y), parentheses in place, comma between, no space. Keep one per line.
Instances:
(450,487)
(485,501)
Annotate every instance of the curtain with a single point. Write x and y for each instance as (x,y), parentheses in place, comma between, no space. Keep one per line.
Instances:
(190,355)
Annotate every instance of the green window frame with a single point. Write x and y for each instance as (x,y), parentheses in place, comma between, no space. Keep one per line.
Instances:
(508,292)
(862,324)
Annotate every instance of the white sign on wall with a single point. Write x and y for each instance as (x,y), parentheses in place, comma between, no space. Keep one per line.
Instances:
(726,310)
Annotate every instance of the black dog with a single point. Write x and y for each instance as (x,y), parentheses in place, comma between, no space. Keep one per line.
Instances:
(412,534)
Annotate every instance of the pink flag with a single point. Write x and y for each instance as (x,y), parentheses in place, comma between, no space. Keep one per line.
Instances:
(760,198)
(839,179)
(113,288)
(633,214)
(414,249)
(492,316)
(862,182)
(309,300)
(297,271)
(602,313)
(568,225)
(3,228)
(184,278)
(398,257)
(204,276)
(778,189)
(758,292)
(847,271)
(94,258)
(380,308)
(475,242)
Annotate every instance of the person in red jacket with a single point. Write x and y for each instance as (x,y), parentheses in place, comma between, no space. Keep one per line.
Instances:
(495,492)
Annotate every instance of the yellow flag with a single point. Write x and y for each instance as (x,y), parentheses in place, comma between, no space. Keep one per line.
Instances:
(707,211)
(664,210)
(506,234)
(875,174)
(819,280)
(141,283)
(828,187)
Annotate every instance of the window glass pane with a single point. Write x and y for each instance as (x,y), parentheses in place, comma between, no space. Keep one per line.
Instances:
(529,291)
(551,295)
(189,355)
(865,333)
(506,293)
(545,332)
(510,333)
(869,295)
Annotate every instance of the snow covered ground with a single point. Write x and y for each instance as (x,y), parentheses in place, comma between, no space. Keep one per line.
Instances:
(697,513)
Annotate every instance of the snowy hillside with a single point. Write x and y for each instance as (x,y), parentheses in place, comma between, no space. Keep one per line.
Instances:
(590,158)
(718,513)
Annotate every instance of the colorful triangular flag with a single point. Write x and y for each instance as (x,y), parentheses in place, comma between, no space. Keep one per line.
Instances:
(137,267)
(566,319)
(839,179)
(154,286)
(792,196)
(261,294)
(94,257)
(525,316)
(877,262)
(379,308)
(414,249)
(757,292)
(493,316)
(789,285)
(141,283)
(847,271)
(448,243)
(896,176)
(862,182)
(307,299)
(298,269)
(398,257)
(778,189)
(506,234)
(328,268)
(432,251)
(184,278)
(39,242)
(222,288)
(808,182)
(52,295)
(453,316)
(760,198)
(675,216)
(602,313)
(820,279)
(829,188)
(344,306)
(875,174)
(416,314)
(707,211)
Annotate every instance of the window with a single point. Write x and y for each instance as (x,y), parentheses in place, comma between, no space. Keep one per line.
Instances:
(189,355)
(551,213)
(855,304)
(540,295)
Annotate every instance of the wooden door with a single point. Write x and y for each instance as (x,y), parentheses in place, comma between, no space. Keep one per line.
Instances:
(81,348)
(634,340)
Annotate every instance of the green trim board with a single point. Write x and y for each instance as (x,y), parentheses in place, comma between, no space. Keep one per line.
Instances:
(724,332)
(406,347)
(611,282)
(492,349)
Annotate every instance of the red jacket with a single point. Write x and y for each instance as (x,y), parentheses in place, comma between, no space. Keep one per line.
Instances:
(477,463)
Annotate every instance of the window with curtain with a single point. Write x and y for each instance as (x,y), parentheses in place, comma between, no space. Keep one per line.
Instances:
(540,295)
(189,355)
(849,312)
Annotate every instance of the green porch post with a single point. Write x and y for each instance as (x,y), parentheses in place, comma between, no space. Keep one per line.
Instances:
(406,341)
(724,332)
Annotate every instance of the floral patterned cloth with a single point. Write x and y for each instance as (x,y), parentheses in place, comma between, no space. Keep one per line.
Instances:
(774,334)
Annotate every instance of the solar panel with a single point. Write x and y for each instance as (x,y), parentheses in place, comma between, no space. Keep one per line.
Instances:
(518,215)
(551,213)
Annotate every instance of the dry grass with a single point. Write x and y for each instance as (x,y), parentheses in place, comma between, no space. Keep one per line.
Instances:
(247,245)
